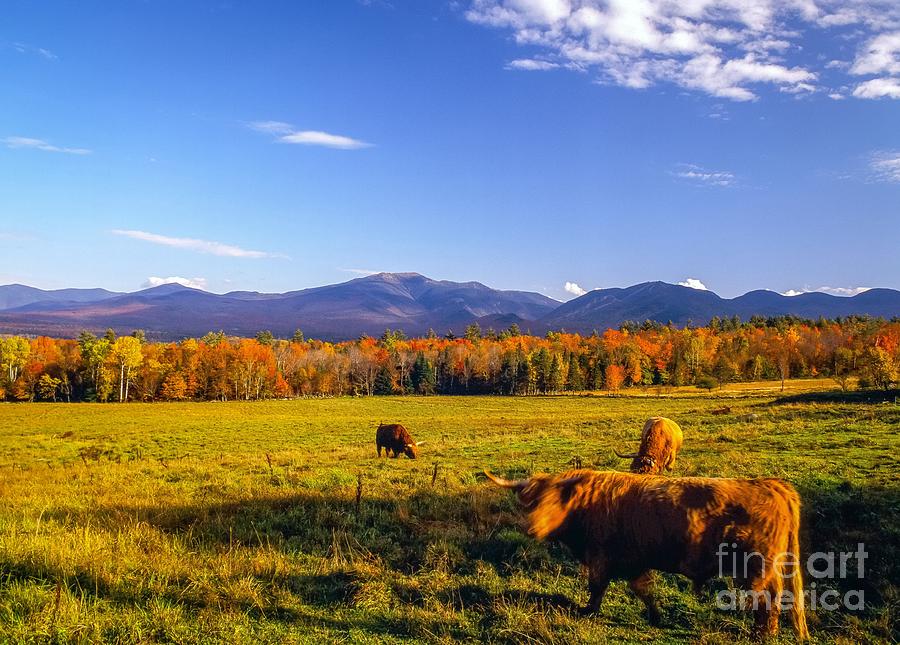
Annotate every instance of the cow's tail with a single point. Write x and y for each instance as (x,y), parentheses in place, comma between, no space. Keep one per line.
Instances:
(795,582)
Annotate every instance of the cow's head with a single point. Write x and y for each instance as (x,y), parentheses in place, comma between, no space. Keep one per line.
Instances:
(545,497)
(642,464)
(411,450)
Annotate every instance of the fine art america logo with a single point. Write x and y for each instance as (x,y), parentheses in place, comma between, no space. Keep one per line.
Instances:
(820,566)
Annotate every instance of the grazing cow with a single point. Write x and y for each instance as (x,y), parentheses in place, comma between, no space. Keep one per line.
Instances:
(393,437)
(661,440)
(623,525)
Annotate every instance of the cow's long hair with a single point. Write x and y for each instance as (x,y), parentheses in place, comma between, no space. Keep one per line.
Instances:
(676,525)
(661,440)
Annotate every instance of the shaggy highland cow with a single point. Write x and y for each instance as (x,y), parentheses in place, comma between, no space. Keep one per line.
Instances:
(623,526)
(393,437)
(661,440)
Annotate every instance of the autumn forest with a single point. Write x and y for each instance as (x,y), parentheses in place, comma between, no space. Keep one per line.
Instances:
(863,351)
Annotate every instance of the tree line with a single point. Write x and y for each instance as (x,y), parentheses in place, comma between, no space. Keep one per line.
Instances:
(859,350)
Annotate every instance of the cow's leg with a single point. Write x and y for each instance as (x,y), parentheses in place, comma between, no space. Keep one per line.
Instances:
(379,449)
(598,581)
(641,588)
(766,600)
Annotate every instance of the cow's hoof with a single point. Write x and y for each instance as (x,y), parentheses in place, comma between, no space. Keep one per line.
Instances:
(588,611)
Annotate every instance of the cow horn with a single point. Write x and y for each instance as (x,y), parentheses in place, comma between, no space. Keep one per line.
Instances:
(505,483)
(419,443)
(633,455)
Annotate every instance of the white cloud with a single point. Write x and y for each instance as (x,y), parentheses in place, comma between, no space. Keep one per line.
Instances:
(886,166)
(40,144)
(725,48)
(200,246)
(193,283)
(834,291)
(836,96)
(693,283)
(574,289)
(878,88)
(700,175)
(286,133)
(316,138)
(531,64)
(881,55)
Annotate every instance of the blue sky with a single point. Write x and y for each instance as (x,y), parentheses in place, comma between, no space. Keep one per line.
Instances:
(523,143)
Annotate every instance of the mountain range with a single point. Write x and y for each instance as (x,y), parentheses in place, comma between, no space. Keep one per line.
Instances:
(407,301)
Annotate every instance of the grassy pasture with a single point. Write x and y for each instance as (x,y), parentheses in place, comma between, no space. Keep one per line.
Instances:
(239,522)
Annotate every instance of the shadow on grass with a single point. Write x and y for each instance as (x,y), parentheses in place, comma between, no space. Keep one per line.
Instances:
(471,596)
(856,396)
(403,534)
(428,530)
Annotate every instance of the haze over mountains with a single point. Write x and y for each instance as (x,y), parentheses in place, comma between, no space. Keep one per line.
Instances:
(407,301)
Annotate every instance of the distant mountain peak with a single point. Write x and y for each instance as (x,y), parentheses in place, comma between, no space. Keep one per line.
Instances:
(406,300)
(169,287)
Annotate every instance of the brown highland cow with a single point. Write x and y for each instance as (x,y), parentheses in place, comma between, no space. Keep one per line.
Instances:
(393,437)
(661,440)
(623,525)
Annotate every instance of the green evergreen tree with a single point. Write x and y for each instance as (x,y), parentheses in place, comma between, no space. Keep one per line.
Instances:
(384,383)
(473,332)
(525,376)
(541,363)
(555,375)
(507,379)
(422,375)
(574,377)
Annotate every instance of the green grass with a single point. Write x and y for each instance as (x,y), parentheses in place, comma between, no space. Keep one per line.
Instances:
(167,523)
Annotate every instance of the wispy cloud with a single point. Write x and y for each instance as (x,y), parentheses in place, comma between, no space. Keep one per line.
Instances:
(574,289)
(362,272)
(272,127)
(834,291)
(693,283)
(531,64)
(886,166)
(24,48)
(40,144)
(286,133)
(193,283)
(199,246)
(724,48)
(700,175)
